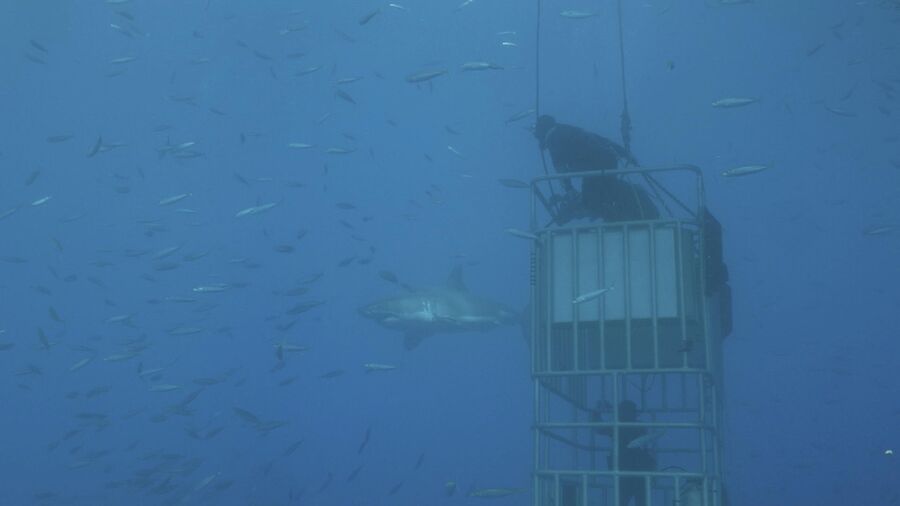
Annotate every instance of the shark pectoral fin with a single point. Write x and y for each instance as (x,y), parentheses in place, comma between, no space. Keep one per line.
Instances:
(447,319)
(455,281)
(412,339)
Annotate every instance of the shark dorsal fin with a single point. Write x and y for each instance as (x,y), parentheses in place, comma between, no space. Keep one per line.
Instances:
(455,281)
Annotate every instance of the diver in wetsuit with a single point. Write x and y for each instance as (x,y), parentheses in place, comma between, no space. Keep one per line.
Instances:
(630,459)
(573,149)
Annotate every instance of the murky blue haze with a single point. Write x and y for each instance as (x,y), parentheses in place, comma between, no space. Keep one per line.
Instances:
(123,384)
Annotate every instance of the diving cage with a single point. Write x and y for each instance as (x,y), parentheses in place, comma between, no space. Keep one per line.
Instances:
(652,337)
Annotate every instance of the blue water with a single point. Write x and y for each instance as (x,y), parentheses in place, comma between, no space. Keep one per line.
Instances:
(810,368)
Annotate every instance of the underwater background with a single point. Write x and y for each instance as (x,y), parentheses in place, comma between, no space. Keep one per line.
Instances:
(198,196)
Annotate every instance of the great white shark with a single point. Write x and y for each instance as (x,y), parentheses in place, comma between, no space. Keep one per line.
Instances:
(438,310)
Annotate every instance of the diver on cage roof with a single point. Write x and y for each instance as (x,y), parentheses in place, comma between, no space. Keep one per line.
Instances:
(608,197)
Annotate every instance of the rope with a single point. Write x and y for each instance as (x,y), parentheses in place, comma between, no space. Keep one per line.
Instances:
(651,182)
(537,63)
(671,196)
(625,125)
(537,85)
(637,199)
(537,106)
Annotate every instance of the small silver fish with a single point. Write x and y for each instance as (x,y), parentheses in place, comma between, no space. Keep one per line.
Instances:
(521,233)
(368,17)
(520,115)
(185,331)
(182,300)
(744,170)
(427,75)
(215,288)
(343,95)
(206,481)
(731,102)
(840,112)
(122,318)
(8,213)
(455,151)
(490,493)
(119,357)
(878,230)
(174,198)
(121,29)
(645,440)
(575,14)
(479,65)
(165,252)
(164,388)
(373,367)
(591,295)
(81,363)
(513,183)
(151,372)
(250,211)
(307,70)
(282,348)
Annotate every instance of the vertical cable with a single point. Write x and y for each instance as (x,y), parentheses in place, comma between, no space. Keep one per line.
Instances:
(625,125)
(537,63)
(537,97)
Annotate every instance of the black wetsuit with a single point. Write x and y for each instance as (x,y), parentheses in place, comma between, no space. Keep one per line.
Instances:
(633,459)
(573,149)
(630,459)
